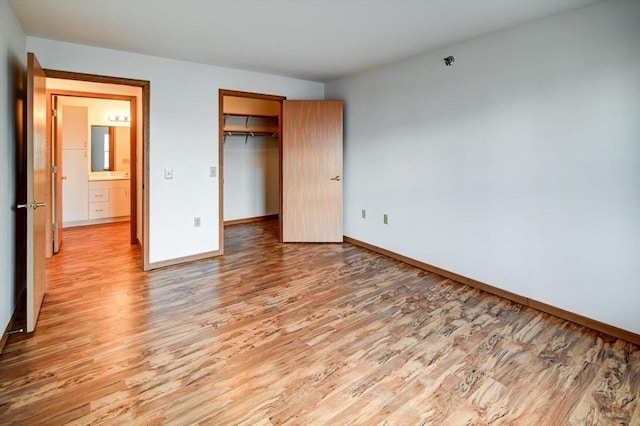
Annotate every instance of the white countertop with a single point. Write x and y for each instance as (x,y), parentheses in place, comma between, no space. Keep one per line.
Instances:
(98,176)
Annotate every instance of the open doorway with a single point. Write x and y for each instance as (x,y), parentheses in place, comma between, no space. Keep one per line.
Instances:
(93,148)
(127,118)
(249,158)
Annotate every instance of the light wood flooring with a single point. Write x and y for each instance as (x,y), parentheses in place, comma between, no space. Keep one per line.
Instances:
(297,334)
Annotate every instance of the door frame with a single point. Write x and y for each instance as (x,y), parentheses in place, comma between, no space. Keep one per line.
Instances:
(145,86)
(133,154)
(221,94)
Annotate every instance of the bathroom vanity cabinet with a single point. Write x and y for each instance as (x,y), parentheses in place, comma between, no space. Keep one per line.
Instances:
(109,199)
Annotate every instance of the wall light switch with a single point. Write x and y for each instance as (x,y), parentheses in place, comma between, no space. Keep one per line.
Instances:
(364,214)
(212,171)
(168,173)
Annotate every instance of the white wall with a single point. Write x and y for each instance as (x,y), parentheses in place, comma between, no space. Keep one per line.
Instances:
(99,109)
(12,68)
(519,166)
(251,177)
(183,134)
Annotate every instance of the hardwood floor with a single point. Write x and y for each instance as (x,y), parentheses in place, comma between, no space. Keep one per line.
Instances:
(298,334)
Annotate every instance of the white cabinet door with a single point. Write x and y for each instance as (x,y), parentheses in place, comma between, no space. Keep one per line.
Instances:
(75,185)
(75,127)
(119,202)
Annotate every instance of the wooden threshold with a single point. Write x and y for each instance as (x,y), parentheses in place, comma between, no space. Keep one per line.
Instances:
(540,306)
(250,220)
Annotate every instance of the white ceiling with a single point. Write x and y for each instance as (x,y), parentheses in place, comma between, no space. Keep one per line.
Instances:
(315,40)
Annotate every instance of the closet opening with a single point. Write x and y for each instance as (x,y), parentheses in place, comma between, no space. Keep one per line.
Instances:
(249,158)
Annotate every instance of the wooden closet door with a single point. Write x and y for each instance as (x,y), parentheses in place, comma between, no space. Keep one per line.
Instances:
(312,171)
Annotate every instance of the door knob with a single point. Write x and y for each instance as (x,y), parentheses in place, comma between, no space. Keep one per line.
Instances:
(337,178)
(63,178)
(33,205)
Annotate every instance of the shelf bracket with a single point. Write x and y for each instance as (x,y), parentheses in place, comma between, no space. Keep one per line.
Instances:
(246,122)
(225,137)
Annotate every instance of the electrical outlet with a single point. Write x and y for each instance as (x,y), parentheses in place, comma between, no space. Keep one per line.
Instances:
(364,214)
(212,171)
(168,173)
(196,222)
(386,219)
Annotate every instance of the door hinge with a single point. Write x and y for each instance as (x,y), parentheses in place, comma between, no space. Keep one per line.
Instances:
(54,112)
(55,227)
(54,169)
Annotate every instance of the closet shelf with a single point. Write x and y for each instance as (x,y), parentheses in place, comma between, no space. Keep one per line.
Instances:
(250,117)
(248,133)
(244,114)
(251,129)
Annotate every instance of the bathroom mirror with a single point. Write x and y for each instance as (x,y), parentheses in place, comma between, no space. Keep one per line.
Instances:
(110,148)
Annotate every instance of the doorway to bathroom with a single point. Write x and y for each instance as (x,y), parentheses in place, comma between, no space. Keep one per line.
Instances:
(105,146)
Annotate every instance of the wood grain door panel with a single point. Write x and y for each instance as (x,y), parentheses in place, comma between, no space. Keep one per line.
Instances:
(57,190)
(37,191)
(312,171)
